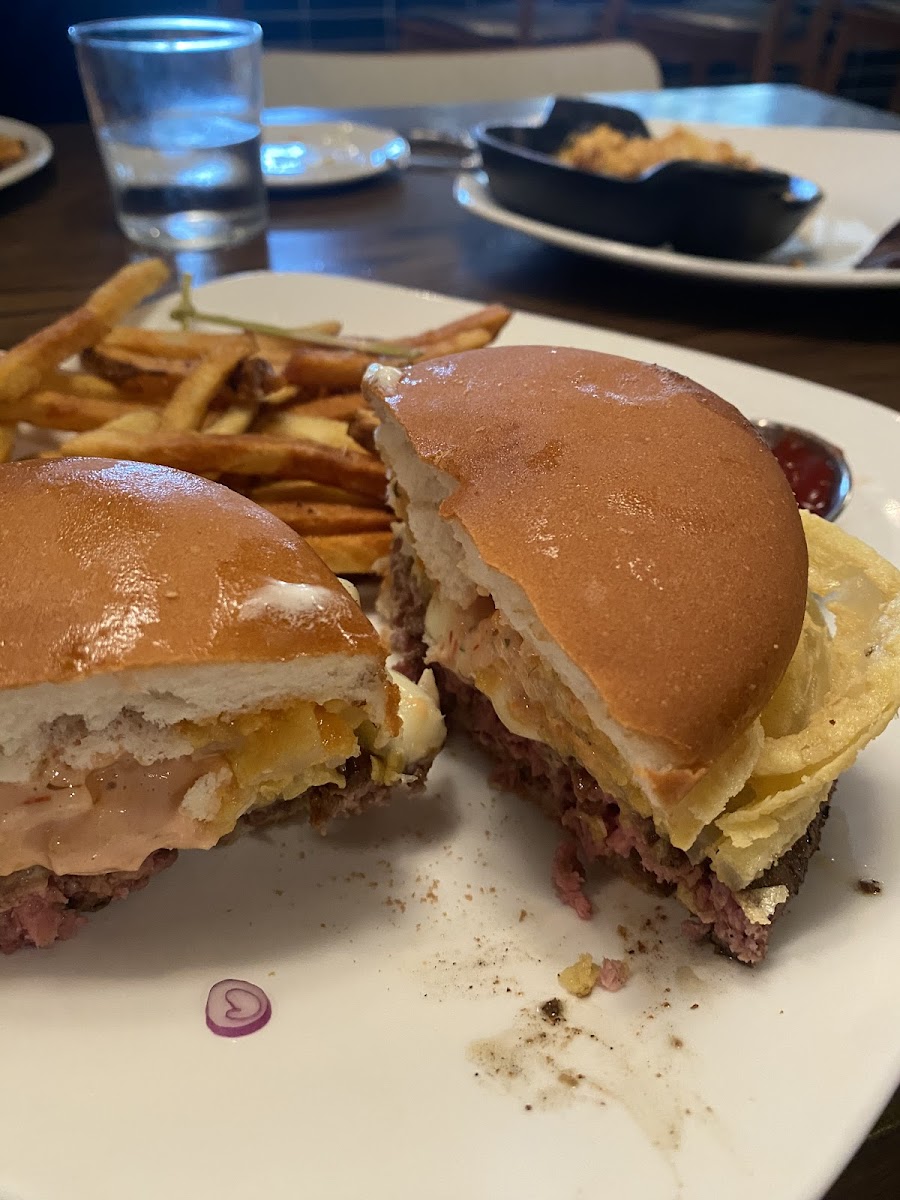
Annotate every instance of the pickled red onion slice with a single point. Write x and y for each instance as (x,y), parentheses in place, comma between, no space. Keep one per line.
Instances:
(235,1008)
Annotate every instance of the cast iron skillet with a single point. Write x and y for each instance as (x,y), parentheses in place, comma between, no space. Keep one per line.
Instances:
(698,208)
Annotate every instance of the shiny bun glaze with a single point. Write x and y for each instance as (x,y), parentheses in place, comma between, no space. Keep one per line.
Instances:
(651,531)
(110,566)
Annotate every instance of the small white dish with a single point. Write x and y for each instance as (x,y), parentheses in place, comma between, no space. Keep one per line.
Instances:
(857,169)
(38,150)
(328,152)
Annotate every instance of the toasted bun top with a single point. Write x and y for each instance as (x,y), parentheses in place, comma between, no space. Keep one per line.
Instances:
(109,566)
(651,531)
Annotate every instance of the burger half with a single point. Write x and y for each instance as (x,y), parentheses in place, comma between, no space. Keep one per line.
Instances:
(175,664)
(607,570)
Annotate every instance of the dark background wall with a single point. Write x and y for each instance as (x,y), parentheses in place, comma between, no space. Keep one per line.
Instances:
(39,82)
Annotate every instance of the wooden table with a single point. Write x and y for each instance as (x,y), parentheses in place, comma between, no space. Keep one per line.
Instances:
(58,239)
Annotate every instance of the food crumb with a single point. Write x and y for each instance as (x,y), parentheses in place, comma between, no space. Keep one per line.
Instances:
(279,892)
(675,1042)
(528,1108)
(869,887)
(552,1010)
(693,1006)
(522,914)
(583,976)
(568,1078)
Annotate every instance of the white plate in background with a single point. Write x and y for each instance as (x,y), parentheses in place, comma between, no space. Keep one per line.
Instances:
(38,150)
(322,153)
(857,169)
(405,1046)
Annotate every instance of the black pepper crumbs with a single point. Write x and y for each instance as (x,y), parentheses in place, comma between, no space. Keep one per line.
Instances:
(552,1010)
(869,887)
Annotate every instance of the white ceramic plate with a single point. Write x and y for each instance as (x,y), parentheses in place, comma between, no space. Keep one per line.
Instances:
(858,170)
(328,152)
(38,150)
(407,953)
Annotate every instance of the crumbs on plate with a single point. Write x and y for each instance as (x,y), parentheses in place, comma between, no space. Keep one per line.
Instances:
(583,976)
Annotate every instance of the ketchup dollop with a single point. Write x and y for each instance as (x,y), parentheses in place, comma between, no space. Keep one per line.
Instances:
(809,471)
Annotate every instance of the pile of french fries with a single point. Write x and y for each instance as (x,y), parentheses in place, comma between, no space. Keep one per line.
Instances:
(275,414)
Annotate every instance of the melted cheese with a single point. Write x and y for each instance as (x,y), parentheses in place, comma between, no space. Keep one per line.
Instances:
(112,816)
(840,690)
(422,729)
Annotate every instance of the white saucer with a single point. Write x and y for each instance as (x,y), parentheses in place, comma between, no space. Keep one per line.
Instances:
(328,152)
(38,150)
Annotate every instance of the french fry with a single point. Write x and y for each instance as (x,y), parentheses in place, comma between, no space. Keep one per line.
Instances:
(182,344)
(279,349)
(362,428)
(126,289)
(351,553)
(466,339)
(282,395)
(134,373)
(157,343)
(25,366)
(294,424)
(240,454)
(318,371)
(194,394)
(7,441)
(278,418)
(339,407)
(124,428)
(81,383)
(236,419)
(305,491)
(492,319)
(59,410)
(322,519)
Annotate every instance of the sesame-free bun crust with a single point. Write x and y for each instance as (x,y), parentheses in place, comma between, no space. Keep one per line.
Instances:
(653,534)
(110,566)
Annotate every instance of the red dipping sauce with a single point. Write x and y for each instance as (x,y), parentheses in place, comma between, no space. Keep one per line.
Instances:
(809,470)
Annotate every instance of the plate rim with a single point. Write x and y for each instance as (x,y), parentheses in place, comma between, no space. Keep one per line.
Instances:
(471,194)
(39,148)
(298,182)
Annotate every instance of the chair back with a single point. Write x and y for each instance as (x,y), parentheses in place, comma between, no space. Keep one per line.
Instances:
(321,79)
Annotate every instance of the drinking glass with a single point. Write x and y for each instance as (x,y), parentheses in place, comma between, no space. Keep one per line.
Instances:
(175,105)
